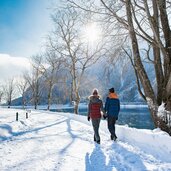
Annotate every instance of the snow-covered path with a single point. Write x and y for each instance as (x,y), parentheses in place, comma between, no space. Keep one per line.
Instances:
(64,142)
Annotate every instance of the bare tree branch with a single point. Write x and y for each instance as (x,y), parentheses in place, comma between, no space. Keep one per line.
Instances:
(136,74)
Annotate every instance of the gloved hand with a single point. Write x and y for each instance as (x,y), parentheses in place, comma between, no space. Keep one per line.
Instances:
(104,116)
(88,118)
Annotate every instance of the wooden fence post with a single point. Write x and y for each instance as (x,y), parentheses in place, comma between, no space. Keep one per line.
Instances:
(26,115)
(16,116)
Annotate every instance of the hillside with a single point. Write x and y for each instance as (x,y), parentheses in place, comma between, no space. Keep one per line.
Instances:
(121,76)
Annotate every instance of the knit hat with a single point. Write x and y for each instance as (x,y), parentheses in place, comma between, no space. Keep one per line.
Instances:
(112,90)
(95,92)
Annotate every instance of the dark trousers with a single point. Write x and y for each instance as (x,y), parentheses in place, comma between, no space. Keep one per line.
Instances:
(111,126)
(96,123)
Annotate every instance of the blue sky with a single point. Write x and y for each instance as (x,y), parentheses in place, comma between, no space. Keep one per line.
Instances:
(23,26)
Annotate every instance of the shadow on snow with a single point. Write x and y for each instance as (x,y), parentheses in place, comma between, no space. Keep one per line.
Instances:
(118,158)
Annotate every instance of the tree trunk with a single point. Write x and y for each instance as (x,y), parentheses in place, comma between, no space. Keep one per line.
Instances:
(35,101)
(77,101)
(159,75)
(75,89)
(148,90)
(168,87)
(35,104)
(37,92)
(76,98)
(49,96)
(167,58)
(159,122)
(167,38)
(71,94)
(9,103)
(157,56)
(49,101)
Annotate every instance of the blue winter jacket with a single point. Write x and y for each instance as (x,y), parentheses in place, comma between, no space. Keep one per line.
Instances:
(112,105)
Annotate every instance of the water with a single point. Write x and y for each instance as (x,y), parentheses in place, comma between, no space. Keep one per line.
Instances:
(133,117)
(136,117)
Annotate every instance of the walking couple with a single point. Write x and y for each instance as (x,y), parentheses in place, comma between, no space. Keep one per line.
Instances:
(110,111)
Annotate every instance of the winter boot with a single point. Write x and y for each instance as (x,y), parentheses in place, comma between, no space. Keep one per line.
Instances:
(115,137)
(94,138)
(98,142)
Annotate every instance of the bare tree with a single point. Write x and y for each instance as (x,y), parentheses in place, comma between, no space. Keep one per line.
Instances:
(34,80)
(22,87)
(9,90)
(162,74)
(146,21)
(1,95)
(50,73)
(67,40)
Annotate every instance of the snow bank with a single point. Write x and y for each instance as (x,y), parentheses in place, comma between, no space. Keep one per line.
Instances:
(155,141)
(57,141)
(164,114)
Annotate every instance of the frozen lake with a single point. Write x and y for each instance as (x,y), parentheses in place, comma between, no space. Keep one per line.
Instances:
(135,116)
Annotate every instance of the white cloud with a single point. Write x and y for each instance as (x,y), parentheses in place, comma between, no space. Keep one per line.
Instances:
(12,66)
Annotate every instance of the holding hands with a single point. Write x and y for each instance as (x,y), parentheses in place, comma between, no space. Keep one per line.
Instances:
(104,116)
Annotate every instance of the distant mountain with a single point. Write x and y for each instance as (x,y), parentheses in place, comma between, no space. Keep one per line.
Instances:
(101,75)
(119,75)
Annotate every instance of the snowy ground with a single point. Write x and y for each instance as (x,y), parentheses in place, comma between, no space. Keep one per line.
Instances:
(64,142)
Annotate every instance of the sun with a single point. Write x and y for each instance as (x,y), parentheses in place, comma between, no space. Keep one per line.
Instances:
(91,33)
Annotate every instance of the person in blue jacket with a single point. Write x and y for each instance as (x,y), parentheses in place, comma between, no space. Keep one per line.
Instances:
(112,108)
